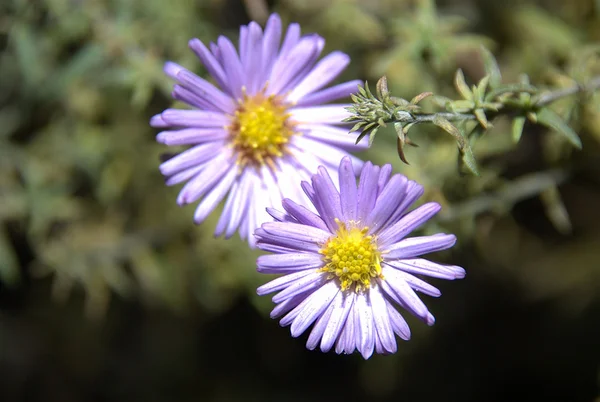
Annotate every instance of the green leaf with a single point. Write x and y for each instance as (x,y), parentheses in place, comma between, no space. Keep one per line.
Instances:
(467,158)
(550,119)
(461,85)
(491,67)
(517,128)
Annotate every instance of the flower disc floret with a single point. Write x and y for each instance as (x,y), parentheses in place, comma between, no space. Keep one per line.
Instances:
(352,257)
(261,130)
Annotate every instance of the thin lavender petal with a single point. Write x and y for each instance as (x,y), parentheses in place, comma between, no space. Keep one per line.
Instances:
(203,182)
(283,282)
(325,71)
(386,204)
(342,305)
(296,232)
(330,94)
(287,263)
(398,323)
(408,298)
(211,63)
(313,307)
(329,207)
(348,190)
(325,114)
(335,136)
(190,158)
(422,266)
(195,118)
(367,190)
(414,282)
(407,224)
(416,246)
(286,306)
(206,90)
(289,67)
(384,177)
(321,325)
(214,196)
(366,331)
(253,65)
(314,280)
(270,43)
(382,320)
(233,66)
(184,175)
(303,215)
(191,136)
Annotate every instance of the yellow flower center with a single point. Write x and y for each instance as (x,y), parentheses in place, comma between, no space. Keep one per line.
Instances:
(352,257)
(260,130)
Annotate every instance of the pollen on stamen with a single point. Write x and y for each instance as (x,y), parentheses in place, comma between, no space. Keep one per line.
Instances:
(261,130)
(352,257)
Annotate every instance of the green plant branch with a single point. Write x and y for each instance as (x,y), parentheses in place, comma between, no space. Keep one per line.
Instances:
(479,103)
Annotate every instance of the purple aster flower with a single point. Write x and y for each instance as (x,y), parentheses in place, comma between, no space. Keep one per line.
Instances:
(347,268)
(262,131)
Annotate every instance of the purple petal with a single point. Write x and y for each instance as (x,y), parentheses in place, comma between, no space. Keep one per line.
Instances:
(398,322)
(328,155)
(420,266)
(321,325)
(191,136)
(342,305)
(404,295)
(215,196)
(386,204)
(211,63)
(252,63)
(233,66)
(414,282)
(325,114)
(195,118)
(206,90)
(335,136)
(270,43)
(348,191)
(290,67)
(322,74)
(203,182)
(366,329)
(303,215)
(329,197)
(289,262)
(367,190)
(191,158)
(288,305)
(327,95)
(313,307)
(295,233)
(407,224)
(384,177)
(284,282)
(382,320)
(184,175)
(416,246)
(309,283)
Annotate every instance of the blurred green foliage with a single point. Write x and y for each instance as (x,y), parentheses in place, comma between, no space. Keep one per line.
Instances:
(82,201)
